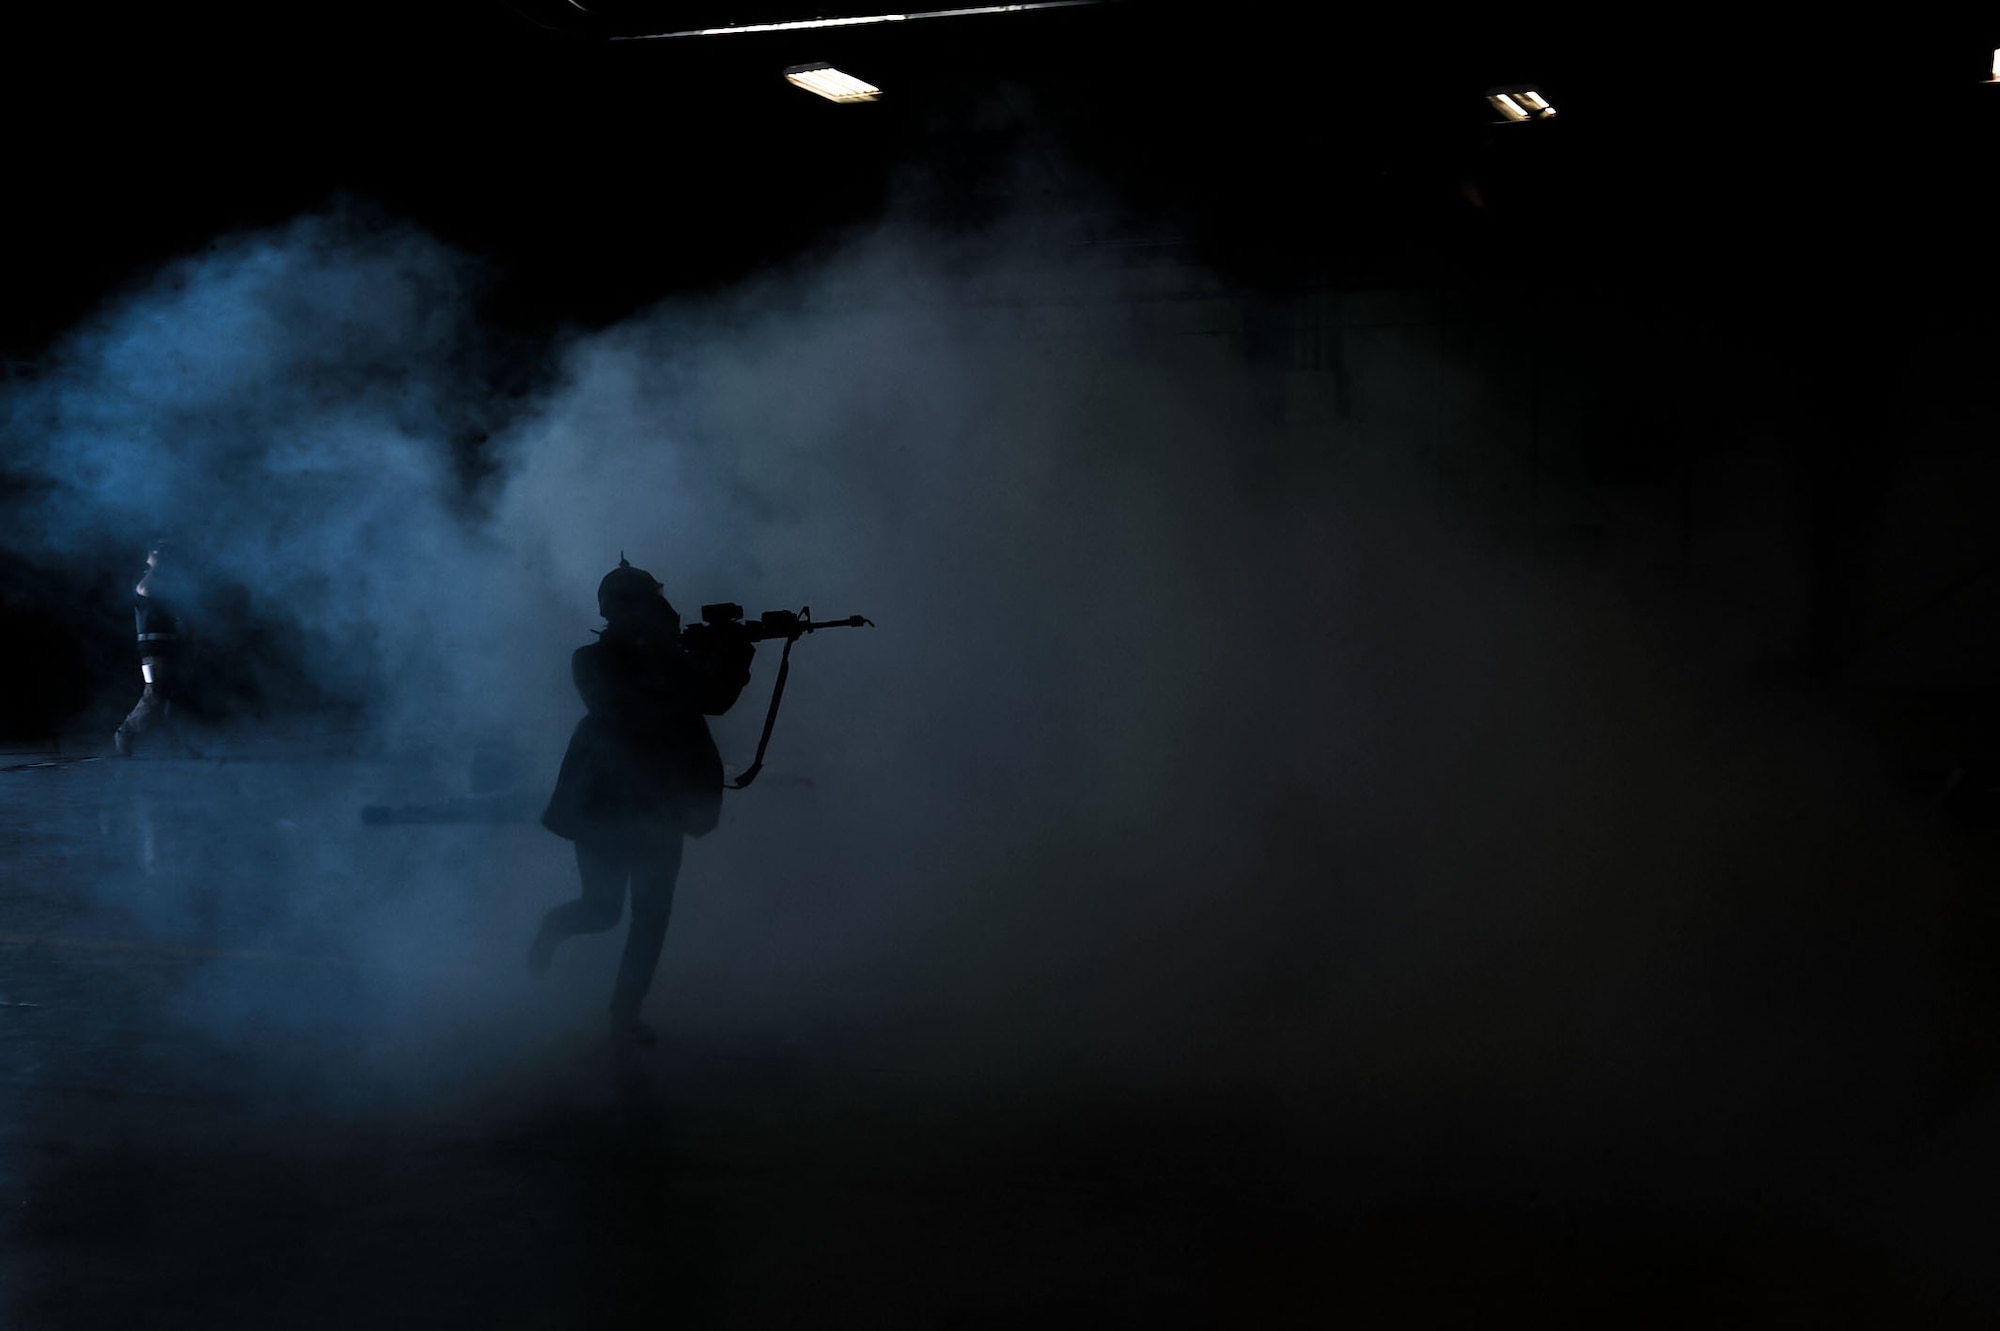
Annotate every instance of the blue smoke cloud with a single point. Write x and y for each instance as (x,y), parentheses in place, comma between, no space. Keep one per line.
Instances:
(1194,748)
(282,407)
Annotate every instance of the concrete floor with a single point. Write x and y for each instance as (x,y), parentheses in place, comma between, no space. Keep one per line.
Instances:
(253,1078)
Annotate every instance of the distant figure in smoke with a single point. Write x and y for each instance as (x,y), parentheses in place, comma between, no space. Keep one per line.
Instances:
(641,772)
(159,629)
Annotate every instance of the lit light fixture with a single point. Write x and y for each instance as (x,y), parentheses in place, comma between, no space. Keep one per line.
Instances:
(831,84)
(1521,104)
(1996,69)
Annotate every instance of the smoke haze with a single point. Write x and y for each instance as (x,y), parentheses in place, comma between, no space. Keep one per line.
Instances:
(1200,751)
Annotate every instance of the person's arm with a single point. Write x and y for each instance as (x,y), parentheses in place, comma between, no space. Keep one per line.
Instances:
(720,669)
(637,692)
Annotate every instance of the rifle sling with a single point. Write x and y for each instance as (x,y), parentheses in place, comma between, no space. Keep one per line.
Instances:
(770,719)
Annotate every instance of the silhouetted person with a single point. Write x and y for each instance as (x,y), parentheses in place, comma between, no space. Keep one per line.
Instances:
(159,628)
(640,773)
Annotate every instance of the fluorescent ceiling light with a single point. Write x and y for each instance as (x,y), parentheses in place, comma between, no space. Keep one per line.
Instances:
(831,84)
(1521,104)
(868,18)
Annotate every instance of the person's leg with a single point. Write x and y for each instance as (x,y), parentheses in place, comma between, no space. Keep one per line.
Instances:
(603,866)
(655,865)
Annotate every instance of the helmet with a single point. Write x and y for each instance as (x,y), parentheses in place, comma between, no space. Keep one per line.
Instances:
(624,590)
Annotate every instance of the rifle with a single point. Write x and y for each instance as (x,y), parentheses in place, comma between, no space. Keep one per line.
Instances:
(725,619)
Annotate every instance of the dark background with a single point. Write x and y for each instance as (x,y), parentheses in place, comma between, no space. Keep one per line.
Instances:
(1836,163)
(1815,195)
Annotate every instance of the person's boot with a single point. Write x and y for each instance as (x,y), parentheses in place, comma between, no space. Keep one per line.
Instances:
(541,952)
(630,1033)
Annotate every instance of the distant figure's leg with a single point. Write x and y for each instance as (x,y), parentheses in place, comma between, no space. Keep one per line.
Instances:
(603,869)
(655,866)
(148,709)
(168,714)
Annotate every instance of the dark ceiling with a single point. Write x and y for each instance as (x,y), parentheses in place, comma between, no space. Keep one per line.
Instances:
(1273,140)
